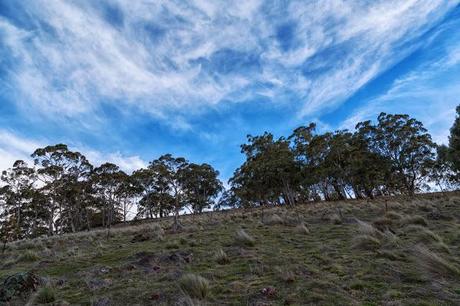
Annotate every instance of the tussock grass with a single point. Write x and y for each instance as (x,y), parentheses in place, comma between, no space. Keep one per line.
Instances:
(393,215)
(221,257)
(366,242)
(415,219)
(45,295)
(335,219)
(273,219)
(28,256)
(365,228)
(302,229)
(423,234)
(434,263)
(243,238)
(194,286)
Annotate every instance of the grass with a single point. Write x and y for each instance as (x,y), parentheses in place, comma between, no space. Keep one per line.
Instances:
(194,286)
(45,295)
(305,260)
(242,238)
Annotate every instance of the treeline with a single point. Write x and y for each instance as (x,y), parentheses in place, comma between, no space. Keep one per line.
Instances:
(62,192)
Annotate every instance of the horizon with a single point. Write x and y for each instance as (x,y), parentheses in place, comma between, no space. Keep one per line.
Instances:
(127,83)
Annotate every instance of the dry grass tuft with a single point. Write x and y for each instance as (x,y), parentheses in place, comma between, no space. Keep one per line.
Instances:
(302,229)
(393,215)
(221,257)
(28,256)
(273,219)
(243,238)
(416,219)
(366,242)
(194,286)
(433,263)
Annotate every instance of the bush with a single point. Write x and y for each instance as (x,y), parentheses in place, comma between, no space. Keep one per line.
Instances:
(194,286)
(242,238)
(46,295)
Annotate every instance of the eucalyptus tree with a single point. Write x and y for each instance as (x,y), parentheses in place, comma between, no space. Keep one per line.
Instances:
(270,174)
(453,154)
(23,214)
(170,173)
(108,182)
(60,169)
(407,145)
(201,185)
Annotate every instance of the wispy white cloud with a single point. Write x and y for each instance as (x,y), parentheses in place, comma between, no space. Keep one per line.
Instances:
(16,147)
(428,93)
(162,57)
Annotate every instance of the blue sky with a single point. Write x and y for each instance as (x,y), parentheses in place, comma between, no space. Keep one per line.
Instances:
(126,81)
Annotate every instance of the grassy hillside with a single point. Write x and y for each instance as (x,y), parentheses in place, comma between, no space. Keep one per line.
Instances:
(395,252)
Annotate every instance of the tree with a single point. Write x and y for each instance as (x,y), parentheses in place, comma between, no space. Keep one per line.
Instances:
(407,144)
(170,172)
(270,173)
(201,186)
(61,170)
(108,182)
(453,154)
(23,213)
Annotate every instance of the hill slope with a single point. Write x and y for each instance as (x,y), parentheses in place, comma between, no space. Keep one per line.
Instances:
(395,252)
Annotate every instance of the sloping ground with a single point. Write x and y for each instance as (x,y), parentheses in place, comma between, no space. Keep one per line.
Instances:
(394,252)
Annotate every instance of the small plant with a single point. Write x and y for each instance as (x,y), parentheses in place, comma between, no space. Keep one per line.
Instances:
(433,263)
(366,242)
(221,257)
(242,238)
(194,286)
(273,219)
(28,256)
(335,219)
(419,220)
(393,215)
(46,295)
(302,229)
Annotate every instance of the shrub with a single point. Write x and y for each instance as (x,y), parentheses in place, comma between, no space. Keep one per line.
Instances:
(194,286)
(366,242)
(46,295)
(242,238)
(221,257)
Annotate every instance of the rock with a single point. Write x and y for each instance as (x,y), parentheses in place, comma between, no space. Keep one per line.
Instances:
(18,284)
